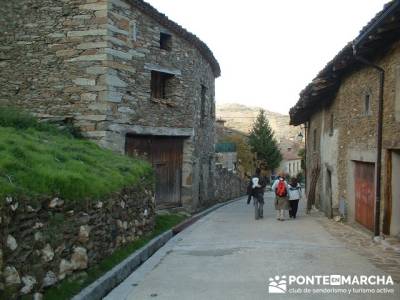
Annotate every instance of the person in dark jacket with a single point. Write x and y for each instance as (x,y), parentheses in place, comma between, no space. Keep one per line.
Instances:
(294,197)
(255,189)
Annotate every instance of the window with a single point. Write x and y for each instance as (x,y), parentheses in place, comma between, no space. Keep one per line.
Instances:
(133,28)
(331,125)
(159,83)
(397,94)
(315,140)
(203,104)
(165,41)
(367,104)
(212,109)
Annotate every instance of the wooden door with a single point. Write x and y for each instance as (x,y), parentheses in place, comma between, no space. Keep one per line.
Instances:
(365,193)
(165,154)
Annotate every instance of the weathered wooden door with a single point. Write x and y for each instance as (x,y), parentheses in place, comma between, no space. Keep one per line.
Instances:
(365,193)
(165,154)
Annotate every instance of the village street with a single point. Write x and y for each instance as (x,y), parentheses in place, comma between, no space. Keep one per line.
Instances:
(229,255)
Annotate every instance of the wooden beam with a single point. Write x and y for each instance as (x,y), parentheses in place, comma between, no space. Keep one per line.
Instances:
(387,216)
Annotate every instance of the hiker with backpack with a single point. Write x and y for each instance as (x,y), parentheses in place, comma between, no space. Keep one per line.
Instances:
(294,197)
(280,187)
(255,190)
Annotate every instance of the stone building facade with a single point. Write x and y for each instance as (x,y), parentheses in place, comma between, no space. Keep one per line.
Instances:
(125,75)
(339,110)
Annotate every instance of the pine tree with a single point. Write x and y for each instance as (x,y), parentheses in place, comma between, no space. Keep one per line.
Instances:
(263,142)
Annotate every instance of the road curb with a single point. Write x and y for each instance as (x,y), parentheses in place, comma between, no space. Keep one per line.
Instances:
(102,286)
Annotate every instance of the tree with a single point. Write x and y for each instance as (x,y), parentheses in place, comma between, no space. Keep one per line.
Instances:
(263,142)
(244,154)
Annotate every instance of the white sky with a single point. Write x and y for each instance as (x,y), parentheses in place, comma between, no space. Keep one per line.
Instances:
(270,50)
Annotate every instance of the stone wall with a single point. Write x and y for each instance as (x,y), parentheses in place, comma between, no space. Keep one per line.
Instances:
(354,129)
(45,47)
(228,185)
(43,241)
(89,63)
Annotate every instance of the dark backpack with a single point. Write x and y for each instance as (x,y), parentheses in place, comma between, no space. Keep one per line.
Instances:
(281,190)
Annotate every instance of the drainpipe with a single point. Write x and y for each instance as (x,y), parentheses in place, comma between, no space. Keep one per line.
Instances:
(378,165)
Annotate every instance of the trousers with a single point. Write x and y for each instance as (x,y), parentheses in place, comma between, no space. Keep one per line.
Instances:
(258,206)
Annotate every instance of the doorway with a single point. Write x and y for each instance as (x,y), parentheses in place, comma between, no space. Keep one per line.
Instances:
(364,193)
(395,182)
(165,154)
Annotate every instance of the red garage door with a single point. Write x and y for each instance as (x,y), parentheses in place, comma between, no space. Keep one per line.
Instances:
(365,193)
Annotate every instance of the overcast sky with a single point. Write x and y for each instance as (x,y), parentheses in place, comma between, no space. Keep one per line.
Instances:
(270,50)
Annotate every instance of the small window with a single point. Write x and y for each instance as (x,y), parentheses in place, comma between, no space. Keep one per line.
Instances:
(203,104)
(133,28)
(367,104)
(165,41)
(331,124)
(159,83)
(315,140)
(212,109)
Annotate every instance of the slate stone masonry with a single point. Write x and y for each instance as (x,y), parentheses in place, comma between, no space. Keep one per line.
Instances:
(89,63)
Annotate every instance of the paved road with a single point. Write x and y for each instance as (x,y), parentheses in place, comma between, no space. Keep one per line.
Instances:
(229,255)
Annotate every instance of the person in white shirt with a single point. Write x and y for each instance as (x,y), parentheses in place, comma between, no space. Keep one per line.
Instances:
(294,197)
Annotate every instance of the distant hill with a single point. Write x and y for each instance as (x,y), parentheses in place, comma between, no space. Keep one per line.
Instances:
(241,117)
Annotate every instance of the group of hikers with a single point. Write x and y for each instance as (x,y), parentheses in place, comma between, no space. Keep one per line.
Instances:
(287,195)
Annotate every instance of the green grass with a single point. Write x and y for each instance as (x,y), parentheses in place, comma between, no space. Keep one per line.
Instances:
(71,286)
(39,160)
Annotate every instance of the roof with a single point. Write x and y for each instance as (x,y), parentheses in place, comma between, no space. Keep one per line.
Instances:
(179,30)
(374,39)
(290,155)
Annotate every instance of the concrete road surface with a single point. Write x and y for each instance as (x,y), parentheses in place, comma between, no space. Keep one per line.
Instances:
(229,255)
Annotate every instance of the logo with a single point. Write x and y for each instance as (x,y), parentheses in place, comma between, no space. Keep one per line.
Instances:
(335,280)
(331,284)
(277,285)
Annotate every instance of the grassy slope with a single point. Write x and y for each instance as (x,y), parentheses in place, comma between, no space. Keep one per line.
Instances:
(40,160)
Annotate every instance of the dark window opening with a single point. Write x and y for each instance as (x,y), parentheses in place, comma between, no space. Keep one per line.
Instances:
(212,108)
(331,125)
(159,83)
(203,105)
(315,139)
(165,41)
(367,104)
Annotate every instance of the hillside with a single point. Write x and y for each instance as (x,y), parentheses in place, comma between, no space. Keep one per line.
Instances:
(241,117)
(39,160)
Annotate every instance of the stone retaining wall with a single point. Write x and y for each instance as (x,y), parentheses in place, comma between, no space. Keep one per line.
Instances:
(42,242)
(228,185)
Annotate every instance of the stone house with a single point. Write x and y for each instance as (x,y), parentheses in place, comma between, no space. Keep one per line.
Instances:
(291,163)
(339,109)
(124,74)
